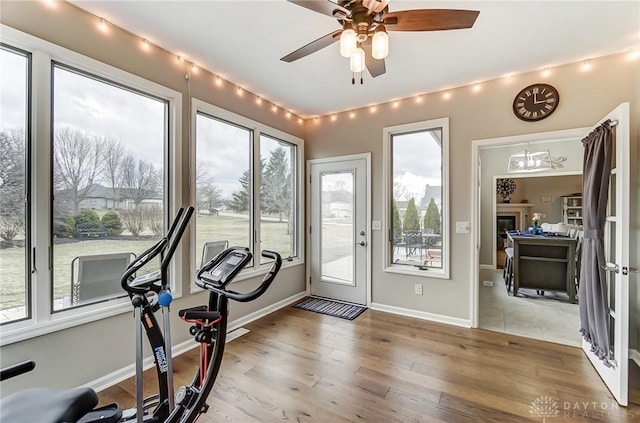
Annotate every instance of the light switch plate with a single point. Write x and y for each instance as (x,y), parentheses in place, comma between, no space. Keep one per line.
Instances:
(376,225)
(462,227)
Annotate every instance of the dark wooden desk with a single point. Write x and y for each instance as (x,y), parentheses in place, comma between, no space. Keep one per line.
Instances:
(545,263)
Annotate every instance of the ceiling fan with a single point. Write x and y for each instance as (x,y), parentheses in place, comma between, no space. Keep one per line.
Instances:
(364,25)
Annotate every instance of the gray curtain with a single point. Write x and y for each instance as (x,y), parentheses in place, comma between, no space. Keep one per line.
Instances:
(593,295)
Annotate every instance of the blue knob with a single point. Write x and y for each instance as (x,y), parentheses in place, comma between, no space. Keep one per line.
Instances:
(165,298)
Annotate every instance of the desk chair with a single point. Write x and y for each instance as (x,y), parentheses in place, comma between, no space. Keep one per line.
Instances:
(507,273)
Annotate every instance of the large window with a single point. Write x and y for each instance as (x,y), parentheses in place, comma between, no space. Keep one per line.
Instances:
(278,196)
(233,157)
(108,149)
(14,218)
(88,167)
(416,161)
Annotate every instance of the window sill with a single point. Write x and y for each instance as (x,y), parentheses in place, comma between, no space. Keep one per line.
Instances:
(414,271)
(21,331)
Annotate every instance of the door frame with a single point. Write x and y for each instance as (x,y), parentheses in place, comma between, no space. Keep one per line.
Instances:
(476,146)
(359,156)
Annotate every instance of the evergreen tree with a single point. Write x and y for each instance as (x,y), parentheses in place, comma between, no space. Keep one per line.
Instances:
(397,224)
(240,200)
(432,217)
(411,221)
(276,184)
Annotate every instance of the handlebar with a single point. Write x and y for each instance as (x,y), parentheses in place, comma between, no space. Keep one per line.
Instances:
(165,247)
(17,369)
(238,296)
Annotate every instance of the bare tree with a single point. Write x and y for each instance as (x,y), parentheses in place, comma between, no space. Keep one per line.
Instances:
(140,179)
(76,165)
(113,154)
(12,174)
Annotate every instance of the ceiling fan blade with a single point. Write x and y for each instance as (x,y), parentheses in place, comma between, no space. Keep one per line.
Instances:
(430,19)
(376,67)
(313,46)
(326,7)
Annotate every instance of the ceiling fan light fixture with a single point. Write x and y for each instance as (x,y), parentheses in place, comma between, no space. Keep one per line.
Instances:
(357,61)
(380,43)
(348,43)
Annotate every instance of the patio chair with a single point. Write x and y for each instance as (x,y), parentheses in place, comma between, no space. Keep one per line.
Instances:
(413,243)
(98,277)
(212,249)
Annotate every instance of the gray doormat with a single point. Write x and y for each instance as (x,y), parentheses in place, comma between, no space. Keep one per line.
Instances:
(331,308)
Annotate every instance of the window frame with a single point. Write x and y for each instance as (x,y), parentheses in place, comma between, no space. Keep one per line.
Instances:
(44,55)
(28,248)
(256,269)
(388,133)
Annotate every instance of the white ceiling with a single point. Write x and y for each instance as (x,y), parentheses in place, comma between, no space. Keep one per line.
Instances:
(243,42)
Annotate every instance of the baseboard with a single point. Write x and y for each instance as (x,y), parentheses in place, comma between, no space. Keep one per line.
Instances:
(126,372)
(432,317)
(635,356)
(487,266)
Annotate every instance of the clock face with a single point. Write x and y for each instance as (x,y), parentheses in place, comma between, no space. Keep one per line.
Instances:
(536,102)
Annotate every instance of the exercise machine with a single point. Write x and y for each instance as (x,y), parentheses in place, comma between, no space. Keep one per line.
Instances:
(150,293)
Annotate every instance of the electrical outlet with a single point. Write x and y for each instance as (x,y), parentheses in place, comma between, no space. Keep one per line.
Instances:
(487,283)
(418,289)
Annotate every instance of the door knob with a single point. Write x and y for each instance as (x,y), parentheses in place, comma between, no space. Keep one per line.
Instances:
(611,267)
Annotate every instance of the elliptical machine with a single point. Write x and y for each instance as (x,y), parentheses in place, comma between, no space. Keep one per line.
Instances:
(209,327)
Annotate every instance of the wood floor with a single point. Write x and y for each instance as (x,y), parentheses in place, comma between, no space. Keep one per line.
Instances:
(300,366)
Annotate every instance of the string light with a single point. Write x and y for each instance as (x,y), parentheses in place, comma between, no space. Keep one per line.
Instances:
(102,25)
(586,65)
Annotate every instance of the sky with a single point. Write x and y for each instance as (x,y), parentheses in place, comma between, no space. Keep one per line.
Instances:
(417,161)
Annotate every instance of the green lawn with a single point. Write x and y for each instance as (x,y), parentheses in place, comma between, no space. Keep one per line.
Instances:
(234,228)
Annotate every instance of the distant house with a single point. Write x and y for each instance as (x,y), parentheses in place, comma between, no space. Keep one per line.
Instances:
(337,204)
(99,197)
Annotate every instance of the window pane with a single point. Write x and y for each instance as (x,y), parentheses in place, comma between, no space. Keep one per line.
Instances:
(417,198)
(337,252)
(14,222)
(277,197)
(109,177)
(223,185)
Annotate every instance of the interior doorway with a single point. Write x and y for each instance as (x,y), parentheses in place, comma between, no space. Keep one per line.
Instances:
(547,318)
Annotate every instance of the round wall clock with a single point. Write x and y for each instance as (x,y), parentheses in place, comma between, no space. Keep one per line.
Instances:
(536,102)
